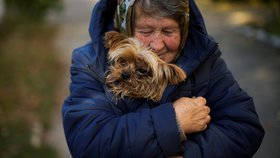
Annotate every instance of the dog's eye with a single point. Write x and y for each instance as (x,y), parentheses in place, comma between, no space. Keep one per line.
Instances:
(141,72)
(122,61)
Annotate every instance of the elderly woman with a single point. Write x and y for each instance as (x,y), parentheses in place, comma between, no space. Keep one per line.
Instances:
(207,115)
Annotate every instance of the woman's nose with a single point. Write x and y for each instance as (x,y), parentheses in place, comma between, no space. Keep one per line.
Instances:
(157,43)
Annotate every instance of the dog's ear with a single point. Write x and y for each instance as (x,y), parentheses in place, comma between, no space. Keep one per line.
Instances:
(174,73)
(113,39)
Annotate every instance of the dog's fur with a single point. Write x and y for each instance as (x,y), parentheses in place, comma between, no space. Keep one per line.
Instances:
(136,71)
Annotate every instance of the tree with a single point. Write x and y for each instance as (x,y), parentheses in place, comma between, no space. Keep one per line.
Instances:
(275,8)
(33,10)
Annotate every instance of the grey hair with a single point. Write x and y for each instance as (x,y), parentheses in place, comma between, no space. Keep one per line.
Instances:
(174,9)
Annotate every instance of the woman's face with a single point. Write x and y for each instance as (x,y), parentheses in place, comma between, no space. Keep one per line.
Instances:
(161,34)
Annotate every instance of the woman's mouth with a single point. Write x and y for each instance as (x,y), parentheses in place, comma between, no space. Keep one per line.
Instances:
(161,55)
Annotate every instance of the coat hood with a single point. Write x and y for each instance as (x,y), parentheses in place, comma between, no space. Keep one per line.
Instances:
(198,47)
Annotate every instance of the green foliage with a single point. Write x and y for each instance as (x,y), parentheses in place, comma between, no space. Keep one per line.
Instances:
(30,9)
(28,83)
(230,0)
(15,140)
(28,86)
(267,1)
(253,1)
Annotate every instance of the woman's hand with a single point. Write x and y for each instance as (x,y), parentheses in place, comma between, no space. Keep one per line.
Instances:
(192,114)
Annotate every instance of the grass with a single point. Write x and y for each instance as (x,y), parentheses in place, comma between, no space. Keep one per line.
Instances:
(28,82)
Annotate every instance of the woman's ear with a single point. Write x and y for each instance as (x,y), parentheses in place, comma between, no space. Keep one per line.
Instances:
(113,39)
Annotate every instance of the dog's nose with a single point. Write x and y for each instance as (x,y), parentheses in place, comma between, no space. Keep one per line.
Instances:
(125,76)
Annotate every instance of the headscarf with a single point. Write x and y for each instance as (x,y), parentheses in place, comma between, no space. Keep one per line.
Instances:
(123,19)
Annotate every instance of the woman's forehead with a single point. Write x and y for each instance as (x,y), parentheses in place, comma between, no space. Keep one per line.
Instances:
(149,21)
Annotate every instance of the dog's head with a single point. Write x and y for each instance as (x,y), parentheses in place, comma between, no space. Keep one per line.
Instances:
(136,71)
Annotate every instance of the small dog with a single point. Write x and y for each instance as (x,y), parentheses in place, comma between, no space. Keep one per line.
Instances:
(137,72)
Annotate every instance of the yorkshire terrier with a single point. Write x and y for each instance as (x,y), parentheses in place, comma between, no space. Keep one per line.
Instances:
(135,71)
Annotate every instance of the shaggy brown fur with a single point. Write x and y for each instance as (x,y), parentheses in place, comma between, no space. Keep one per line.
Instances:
(136,71)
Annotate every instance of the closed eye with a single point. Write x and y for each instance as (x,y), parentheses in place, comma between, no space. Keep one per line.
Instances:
(145,32)
(122,61)
(141,72)
(169,32)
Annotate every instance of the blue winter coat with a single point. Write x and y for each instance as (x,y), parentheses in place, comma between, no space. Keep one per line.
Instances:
(97,127)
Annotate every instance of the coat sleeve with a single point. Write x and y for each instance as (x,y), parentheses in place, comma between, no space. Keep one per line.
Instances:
(92,129)
(235,130)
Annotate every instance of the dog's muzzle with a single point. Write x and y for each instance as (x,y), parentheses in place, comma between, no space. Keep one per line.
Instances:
(125,76)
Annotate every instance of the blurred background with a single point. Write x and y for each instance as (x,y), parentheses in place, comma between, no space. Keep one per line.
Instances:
(37,39)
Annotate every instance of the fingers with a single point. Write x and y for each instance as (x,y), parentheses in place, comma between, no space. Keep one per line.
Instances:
(208,118)
(206,109)
(204,128)
(199,101)
(192,114)
(203,118)
(202,124)
(207,121)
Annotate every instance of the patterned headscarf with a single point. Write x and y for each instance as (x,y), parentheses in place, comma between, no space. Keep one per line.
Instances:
(124,20)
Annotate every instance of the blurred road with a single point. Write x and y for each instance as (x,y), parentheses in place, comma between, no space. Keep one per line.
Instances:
(73,24)
(254,64)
